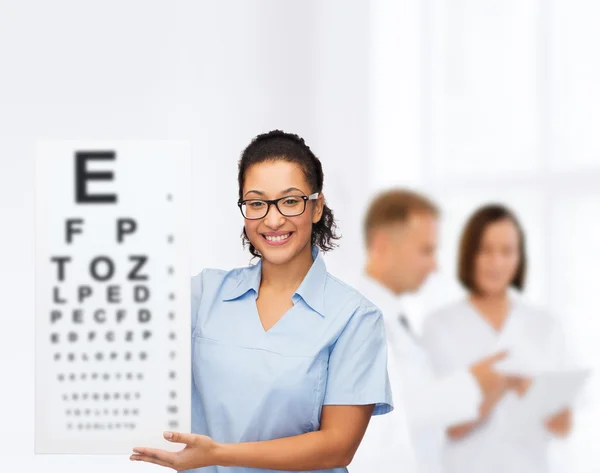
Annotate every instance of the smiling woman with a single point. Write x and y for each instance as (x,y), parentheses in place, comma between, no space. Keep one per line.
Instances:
(289,363)
(284,158)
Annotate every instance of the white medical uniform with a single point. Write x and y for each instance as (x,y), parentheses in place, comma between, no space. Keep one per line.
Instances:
(410,439)
(457,336)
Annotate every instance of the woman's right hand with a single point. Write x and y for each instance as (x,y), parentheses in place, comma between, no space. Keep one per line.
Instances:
(492,383)
(199,452)
(493,386)
(519,384)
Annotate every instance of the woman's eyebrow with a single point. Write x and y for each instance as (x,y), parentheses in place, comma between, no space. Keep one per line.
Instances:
(289,189)
(255,192)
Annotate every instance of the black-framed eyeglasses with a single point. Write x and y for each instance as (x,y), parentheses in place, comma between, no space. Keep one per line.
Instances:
(288,206)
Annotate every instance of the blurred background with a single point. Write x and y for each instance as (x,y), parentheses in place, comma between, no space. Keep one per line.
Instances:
(470,101)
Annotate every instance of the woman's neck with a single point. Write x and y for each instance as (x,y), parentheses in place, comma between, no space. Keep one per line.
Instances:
(492,307)
(288,276)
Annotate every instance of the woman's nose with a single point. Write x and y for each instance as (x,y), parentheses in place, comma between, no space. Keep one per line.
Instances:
(274,219)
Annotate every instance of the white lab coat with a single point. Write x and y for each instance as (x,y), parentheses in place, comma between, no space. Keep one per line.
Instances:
(410,438)
(457,336)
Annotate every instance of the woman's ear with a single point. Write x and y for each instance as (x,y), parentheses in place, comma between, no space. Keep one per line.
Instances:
(318,208)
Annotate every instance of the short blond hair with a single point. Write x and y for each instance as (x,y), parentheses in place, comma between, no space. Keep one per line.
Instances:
(395,206)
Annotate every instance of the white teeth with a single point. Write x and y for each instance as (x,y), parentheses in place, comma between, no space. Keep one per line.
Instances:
(278,238)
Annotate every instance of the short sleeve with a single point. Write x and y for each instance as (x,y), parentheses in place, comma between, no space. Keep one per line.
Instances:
(196,293)
(358,364)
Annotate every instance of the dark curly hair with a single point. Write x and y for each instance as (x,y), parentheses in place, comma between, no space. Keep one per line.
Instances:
(278,145)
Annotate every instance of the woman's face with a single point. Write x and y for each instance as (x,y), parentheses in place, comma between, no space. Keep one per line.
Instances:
(278,238)
(498,258)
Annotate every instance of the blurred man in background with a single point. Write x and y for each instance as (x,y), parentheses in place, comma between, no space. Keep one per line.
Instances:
(401,237)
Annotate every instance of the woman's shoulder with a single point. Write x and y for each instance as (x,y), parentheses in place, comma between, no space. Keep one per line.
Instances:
(520,303)
(214,280)
(448,314)
(339,291)
(207,277)
(535,313)
(207,274)
(450,309)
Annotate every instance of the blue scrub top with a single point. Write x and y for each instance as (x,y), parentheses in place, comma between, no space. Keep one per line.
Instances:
(249,384)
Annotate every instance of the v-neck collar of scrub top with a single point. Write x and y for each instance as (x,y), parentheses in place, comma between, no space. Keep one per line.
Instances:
(311,290)
(508,321)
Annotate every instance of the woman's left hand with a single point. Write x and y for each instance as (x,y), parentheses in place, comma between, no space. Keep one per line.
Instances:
(199,451)
(519,384)
(561,423)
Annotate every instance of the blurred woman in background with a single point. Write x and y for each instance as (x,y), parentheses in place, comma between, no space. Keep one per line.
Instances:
(492,260)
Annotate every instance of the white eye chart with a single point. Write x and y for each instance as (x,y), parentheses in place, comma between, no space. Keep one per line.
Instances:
(112,296)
